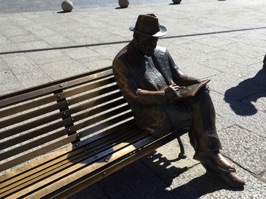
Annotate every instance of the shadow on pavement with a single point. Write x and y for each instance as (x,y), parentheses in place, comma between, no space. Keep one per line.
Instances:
(246,92)
(171,176)
(155,177)
(62,12)
(201,186)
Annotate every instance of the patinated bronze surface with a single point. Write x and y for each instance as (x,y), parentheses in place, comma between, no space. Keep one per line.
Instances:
(149,80)
(264,62)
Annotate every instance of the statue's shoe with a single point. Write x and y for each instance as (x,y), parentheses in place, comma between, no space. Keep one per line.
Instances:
(216,160)
(230,179)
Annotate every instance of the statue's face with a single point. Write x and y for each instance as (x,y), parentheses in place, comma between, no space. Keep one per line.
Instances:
(146,44)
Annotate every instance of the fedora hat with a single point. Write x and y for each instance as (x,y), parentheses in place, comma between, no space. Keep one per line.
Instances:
(149,25)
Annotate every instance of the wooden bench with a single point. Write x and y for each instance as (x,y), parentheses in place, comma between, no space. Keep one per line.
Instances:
(58,138)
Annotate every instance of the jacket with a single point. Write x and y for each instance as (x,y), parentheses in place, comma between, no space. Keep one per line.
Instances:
(148,103)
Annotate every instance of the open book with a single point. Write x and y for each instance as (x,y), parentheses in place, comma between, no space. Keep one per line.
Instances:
(190,91)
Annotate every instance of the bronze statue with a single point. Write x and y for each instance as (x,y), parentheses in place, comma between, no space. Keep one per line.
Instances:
(151,83)
(264,62)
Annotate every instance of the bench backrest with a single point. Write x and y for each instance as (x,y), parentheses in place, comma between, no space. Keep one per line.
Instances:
(38,120)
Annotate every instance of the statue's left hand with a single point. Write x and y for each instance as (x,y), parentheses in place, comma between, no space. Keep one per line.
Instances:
(187,81)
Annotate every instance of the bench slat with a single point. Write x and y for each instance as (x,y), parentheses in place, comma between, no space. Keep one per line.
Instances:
(51,118)
(66,149)
(99,110)
(19,108)
(106,81)
(30,115)
(76,167)
(61,133)
(93,95)
(40,141)
(93,167)
(99,101)
(53,98)
(90,178)
(64,161)
(101,117)
(24,127)
(38,91)
(64,141)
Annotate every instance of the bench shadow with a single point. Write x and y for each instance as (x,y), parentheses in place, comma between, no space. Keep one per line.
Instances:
(247,92)
(171,175)
(154,176)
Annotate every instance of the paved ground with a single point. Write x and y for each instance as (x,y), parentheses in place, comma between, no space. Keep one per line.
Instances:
(221,40)
(18,6)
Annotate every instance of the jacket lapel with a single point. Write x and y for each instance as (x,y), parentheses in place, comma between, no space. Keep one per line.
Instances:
(162,64)
(136,66)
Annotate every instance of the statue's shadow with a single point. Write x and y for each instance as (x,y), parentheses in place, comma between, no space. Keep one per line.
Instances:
(243,96)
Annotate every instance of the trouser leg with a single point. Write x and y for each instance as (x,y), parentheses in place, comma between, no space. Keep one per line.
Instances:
(203,135)
(206,142)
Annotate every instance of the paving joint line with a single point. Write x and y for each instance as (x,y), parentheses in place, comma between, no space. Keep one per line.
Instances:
(126,41)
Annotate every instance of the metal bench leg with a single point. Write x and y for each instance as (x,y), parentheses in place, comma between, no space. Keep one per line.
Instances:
(182,154)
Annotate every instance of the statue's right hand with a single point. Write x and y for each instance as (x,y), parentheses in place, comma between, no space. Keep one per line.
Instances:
(170,93)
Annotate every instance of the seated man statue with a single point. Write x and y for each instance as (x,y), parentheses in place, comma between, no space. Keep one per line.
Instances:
(264,62)
(150,81)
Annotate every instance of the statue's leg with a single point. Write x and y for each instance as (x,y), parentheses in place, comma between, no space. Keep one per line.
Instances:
(205,140)
(203,134)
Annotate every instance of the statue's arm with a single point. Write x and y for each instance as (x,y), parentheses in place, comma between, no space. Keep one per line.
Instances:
(136,95)
(178,76)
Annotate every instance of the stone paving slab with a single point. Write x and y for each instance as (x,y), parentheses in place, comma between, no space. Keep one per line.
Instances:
(243,151)
(245,116)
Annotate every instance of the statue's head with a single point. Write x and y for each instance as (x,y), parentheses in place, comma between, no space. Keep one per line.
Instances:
(146,33)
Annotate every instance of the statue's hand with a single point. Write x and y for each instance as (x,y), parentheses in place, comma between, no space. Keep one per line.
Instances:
(177,88)
(170,93)
(187,81)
